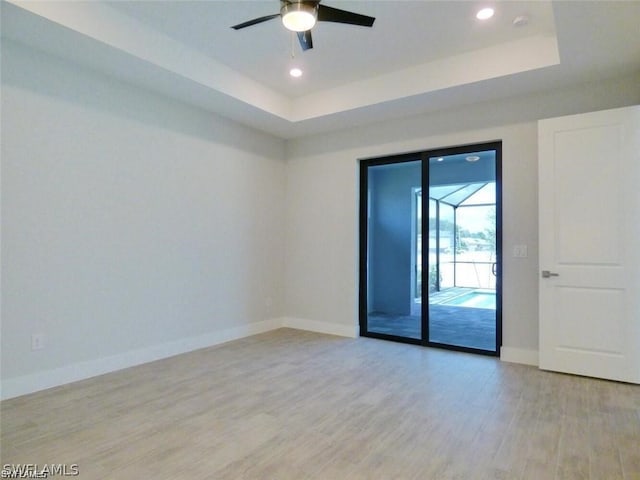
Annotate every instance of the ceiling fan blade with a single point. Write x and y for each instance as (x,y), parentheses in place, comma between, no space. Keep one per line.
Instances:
(306,42)
(330,14)
(255,21)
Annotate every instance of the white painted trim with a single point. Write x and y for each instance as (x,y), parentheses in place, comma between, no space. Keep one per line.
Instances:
(519,355)
(17,386)
(351,331)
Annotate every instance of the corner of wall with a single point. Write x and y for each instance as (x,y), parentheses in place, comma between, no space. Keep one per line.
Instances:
(350,331)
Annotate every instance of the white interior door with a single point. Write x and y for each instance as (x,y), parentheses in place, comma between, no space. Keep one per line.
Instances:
(589,224)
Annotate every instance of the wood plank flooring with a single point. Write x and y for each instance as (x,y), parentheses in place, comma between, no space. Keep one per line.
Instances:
(297,405)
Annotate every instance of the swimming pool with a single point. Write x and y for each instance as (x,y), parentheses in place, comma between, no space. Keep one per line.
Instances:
(475,299)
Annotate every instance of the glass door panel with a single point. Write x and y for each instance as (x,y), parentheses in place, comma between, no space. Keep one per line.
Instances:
(462,191)
(394,250)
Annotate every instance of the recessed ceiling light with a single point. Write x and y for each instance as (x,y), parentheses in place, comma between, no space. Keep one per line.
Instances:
(485,14)
(439,159)
(472,158)
(295,72)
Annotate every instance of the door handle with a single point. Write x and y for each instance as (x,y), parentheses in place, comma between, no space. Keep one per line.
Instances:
(493,269)
(548,274)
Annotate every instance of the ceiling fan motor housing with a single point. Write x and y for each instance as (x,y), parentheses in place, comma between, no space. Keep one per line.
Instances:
(299,16)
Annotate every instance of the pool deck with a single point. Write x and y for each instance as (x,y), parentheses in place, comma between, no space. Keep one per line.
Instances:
(445,296)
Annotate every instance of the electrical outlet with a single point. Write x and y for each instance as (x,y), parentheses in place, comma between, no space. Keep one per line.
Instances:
(37,341)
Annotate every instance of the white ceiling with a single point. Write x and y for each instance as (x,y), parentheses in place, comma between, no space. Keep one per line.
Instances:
(404,34)
(420,56)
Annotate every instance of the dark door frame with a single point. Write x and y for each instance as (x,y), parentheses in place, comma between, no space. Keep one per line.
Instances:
(363,241)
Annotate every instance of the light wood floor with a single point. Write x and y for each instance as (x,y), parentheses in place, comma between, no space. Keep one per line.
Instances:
(298,405)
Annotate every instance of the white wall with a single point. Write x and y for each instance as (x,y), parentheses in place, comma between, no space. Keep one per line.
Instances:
(321,280)
(133,227)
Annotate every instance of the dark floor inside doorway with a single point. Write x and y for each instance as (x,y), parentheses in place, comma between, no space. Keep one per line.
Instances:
(451,325)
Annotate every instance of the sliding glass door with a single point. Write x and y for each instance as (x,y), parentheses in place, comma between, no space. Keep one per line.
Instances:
(430,248)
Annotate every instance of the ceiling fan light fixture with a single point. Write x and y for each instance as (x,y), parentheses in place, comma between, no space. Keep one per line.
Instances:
(298,16)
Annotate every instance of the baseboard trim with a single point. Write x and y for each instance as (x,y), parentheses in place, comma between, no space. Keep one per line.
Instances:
(350,331)
(23,385)
(519,355)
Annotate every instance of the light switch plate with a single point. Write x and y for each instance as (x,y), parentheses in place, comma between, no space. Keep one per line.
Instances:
(37,341)
(520,251)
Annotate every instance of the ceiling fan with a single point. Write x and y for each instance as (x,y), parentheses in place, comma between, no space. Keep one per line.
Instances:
(301,15)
